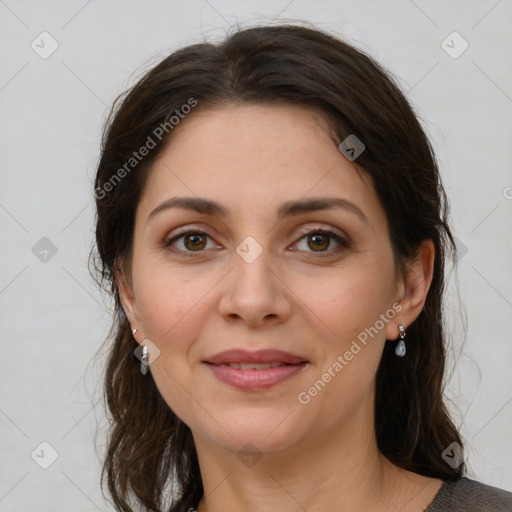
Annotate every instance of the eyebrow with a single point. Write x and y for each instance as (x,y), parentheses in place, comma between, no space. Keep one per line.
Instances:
(288,209)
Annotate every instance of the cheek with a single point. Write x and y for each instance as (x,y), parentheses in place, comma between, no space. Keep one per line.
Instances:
(347,301)
(349,343)
(174,308)
(173,312)
(165,295)
(348,306)
(165,306)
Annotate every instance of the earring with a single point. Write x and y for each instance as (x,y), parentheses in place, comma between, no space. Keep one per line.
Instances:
(400,348)
(144,362)
(134,331)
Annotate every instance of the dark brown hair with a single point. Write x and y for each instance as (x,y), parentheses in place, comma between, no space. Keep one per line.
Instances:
(149,448)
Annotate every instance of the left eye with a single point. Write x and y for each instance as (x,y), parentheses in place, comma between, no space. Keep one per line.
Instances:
(321,239)
(318,240)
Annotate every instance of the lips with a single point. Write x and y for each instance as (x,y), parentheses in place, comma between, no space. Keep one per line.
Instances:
(255,371)
(240,356)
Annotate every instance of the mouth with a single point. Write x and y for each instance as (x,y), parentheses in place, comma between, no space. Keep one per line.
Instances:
(257,358)
(255,370)
(253,366)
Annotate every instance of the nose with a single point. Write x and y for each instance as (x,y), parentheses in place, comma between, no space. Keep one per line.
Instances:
(254,293)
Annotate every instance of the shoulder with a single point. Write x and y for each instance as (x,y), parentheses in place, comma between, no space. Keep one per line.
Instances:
(466,495)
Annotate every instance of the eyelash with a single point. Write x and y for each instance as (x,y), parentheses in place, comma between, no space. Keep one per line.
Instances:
(344,243)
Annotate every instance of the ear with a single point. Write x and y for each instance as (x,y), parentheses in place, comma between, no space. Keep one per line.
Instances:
(413,288)
(125,287)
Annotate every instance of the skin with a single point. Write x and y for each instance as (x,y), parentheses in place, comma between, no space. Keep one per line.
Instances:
(251,159)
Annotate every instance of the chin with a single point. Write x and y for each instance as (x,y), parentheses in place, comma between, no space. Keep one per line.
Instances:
(254,431)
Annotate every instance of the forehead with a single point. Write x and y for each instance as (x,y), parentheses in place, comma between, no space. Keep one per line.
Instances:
(254,156)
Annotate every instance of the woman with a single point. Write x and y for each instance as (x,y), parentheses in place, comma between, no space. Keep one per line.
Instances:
(272,226)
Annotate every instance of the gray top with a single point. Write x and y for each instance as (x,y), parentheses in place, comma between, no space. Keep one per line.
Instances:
(465,495)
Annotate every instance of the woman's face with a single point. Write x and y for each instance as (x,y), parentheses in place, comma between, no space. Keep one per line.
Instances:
(251,274)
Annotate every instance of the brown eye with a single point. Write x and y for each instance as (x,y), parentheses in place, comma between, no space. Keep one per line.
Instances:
(192,241)
(319,241)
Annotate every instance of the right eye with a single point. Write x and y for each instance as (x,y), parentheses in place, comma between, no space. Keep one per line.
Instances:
(191,240)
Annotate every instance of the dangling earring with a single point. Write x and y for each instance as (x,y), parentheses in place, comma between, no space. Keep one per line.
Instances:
(144,362)
(400,348)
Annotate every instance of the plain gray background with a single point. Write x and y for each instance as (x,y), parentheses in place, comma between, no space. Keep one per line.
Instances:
(52,110)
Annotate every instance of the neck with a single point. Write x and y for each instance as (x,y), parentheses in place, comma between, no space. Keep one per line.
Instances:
(340,465)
